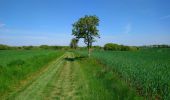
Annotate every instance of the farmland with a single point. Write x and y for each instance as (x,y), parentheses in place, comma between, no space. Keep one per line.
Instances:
(84,50)
(68,76)
(60,74)
(147,70)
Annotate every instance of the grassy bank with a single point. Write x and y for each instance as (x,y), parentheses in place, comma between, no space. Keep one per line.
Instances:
(16,65)
(146,70)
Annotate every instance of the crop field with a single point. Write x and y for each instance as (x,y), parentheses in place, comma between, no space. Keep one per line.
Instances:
(106,75)
(84,50)
(147,70)
(64,76)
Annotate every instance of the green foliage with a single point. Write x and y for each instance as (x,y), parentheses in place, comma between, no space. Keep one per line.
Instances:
(111,46)
(3,47)
(27,47)
(156,46)
(46,47)
(86,28)
(147,70)
(74,43)
(116,47)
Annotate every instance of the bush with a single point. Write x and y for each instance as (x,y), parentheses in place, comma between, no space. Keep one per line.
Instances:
(4,47)
(28,47)
(116,47)
(111,46)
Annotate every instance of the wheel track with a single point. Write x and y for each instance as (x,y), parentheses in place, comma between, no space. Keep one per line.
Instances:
(35,89)
(63,80)
(66,84)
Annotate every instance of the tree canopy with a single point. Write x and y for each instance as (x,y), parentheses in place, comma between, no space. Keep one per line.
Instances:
(74,43)
(86,28)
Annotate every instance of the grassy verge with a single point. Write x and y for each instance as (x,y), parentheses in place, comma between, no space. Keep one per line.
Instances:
(17,65)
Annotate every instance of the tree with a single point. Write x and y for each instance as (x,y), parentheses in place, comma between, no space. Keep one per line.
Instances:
(111,46)
(116,47)
(74,43)
(86,28)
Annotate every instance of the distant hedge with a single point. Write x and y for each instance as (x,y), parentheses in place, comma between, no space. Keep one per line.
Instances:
(6,47)
(116,47)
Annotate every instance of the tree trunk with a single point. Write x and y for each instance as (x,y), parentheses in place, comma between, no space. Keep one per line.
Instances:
(88,52)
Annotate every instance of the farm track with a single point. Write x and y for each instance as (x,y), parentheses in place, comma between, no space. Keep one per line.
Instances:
(61,80)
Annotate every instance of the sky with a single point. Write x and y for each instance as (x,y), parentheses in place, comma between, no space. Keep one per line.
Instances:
(127,22)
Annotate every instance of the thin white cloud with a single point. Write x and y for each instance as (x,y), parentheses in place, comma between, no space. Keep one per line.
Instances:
(128,28)
(165,17)
(2,25)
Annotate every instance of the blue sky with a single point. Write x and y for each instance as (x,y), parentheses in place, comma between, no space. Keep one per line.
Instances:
(128,22)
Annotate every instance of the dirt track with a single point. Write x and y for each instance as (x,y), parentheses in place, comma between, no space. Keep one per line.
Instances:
(62,79)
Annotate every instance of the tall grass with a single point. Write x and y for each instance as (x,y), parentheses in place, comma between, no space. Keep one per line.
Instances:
(103,83)
(146,70)
(17,65)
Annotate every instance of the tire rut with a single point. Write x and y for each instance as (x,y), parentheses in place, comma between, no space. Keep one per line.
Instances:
(66,84)
(62,80)
(35,90)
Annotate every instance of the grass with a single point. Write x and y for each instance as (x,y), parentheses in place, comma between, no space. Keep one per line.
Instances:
(104,84)
(16,65)
(146,70)
(74,77)
(120,75)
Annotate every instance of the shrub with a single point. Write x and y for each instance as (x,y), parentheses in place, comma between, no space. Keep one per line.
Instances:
(111,46)
(28,47)
(4,47)
(116,47)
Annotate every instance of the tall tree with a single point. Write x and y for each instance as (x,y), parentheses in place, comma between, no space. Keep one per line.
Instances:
(86,28)
(74,43)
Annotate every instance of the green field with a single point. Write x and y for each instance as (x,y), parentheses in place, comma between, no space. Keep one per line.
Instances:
(16,65)
(106,75)
(147,70)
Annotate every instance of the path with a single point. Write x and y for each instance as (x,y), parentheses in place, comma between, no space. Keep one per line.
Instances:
(74,78)
(61,80)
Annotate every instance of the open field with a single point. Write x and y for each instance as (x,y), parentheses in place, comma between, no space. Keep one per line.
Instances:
(84,50)
(147,70)
(72,77)
(109,75)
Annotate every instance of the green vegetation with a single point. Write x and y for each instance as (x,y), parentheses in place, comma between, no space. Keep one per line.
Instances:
(116,47)
(16,65)
(41,47)
(147,70)
(74,43)
(75,77)
(103,83)
(86,28)
(119,75)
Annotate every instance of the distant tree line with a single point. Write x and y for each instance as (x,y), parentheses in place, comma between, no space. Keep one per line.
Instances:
(46,47)
(107,46)
(116,47)
(156,46)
